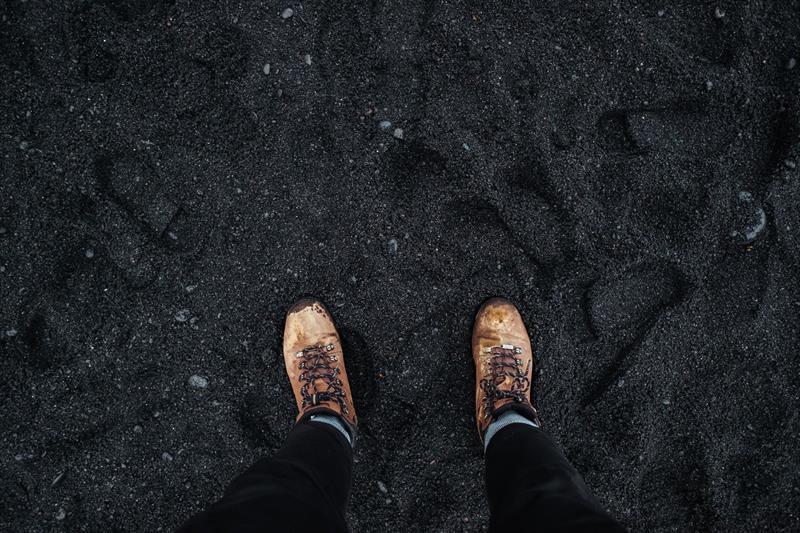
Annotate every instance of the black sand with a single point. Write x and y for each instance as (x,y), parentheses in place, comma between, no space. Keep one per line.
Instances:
(626,172)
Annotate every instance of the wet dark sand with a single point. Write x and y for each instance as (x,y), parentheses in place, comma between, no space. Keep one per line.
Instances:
(628,177)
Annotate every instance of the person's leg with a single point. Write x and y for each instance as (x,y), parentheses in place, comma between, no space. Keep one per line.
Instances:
(530,484)
(532,487)
(305,486)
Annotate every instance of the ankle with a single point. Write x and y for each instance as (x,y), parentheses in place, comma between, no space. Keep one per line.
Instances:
(507,418)
(336,421)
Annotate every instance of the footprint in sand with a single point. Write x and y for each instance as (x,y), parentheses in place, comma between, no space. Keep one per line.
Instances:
(632,297)
(621,309)
(684,130)
(140,219)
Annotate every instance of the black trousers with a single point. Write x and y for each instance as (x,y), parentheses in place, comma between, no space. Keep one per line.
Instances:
(306,485)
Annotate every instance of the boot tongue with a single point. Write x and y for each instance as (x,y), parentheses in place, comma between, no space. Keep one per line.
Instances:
(319,385)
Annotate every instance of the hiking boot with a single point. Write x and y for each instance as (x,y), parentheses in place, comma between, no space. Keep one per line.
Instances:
(312,351)
(503,358)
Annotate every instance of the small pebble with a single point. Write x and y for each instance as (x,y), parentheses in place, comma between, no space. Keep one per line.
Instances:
(24,145)
(749,218)
(191,288)
(791,63)
(266,68)
(287,13)
(183,315)
(61,515)
(391,246)
(789,163)
(398,133)
(750,427)
(198,382)
(2,230)
(465,146)
(137,428)
(661,12)
(11,332)
(353,280)
(666,402)
(385,125)
(166,456)
(718,12)
(307,59)
(709,85)
(58,478)
(382,487)
(89,253)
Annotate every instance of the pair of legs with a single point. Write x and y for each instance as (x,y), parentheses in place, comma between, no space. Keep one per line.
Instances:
(306,485)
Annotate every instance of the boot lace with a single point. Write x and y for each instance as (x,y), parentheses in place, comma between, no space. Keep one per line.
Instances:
(504,363)
(320,380)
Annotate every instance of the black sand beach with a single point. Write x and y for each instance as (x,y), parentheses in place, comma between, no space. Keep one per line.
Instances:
(626,172)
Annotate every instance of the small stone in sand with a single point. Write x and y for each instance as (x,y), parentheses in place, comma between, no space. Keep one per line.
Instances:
(307,59)
(267,68)
(11,332)
(749,218)
(198,382)
(789,163)
(137,428)
(61,515)
(791,63)
(89,253)
(58,478)
(166,456)
(718,12)
(666,402)
(385,125)
(709,85)
(24,145)
(391,246)
(183,315)
(287,13)
(398,133)
(382,487)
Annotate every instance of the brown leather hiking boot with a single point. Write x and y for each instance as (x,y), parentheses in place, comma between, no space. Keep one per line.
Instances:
(503,363)
(312,351)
